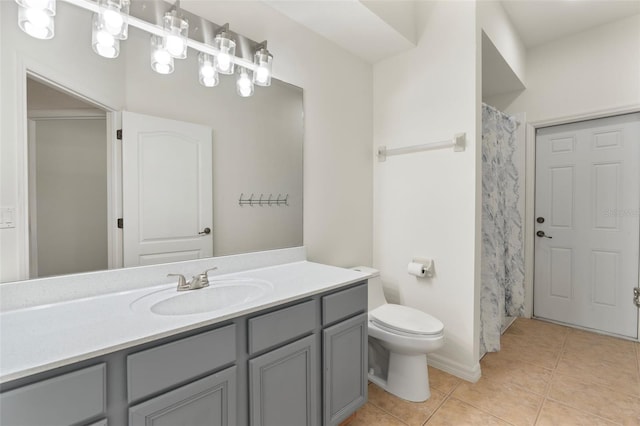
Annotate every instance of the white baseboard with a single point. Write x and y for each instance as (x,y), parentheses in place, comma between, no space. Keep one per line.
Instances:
(452,367)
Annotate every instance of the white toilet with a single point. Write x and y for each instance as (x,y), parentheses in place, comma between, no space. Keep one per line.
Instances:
(407,334)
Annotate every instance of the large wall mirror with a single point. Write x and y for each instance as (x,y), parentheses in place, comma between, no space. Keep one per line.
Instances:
(67,179)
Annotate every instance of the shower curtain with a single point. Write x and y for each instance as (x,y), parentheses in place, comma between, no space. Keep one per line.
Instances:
(502,292)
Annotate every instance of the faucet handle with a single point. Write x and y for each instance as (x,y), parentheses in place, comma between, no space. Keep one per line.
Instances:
(182,281)
(204,278)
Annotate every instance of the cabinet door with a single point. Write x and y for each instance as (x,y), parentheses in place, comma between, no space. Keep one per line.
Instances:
(282,385)
(344,369)
(210,401)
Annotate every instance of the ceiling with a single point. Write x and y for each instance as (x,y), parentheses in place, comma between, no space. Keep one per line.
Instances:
(378,29)
(541,21)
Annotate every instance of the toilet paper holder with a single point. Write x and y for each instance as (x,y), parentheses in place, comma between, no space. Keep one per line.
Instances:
(421,267)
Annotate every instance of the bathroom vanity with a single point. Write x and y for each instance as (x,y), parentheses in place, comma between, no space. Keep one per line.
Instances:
(296,355)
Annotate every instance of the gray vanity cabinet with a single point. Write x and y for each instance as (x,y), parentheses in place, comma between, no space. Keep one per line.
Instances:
(282,385)
(209,401)
(344,368)
(299,364)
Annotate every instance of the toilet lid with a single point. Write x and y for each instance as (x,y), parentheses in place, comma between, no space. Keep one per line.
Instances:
(406,319)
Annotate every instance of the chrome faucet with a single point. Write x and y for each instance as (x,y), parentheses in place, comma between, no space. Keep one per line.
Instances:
(198,281)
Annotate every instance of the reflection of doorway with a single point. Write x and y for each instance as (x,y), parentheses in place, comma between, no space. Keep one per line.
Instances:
(587,223)
(68,190)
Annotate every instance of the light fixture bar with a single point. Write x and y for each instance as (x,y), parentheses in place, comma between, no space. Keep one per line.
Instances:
(159,31)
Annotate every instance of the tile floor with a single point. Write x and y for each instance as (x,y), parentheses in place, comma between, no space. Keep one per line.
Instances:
(545,374)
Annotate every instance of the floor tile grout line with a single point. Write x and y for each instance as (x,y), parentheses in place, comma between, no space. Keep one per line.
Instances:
(388,413)
(445,399)
(555,401)
(483,410)
(553,375)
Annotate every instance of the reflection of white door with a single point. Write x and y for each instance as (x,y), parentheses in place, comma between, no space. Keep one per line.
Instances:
(587,192)
(167,190)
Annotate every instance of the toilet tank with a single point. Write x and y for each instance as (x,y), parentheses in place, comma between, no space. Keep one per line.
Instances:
(375,292)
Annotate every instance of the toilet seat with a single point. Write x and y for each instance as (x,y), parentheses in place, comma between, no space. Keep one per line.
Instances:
(405,320)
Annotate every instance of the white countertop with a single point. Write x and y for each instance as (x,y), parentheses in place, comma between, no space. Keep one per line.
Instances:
(39,338)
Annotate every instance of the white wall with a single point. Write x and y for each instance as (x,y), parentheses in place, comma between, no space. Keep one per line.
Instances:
(338,125)
(582,74)
(496,24)
(425,204)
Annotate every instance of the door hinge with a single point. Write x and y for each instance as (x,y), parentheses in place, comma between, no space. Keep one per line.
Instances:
(636,296)
(119,134)
(120,223)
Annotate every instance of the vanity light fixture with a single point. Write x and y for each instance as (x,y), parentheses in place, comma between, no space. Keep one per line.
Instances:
(262,59)
(114,17)
(169,39)
(226,50)
(161,59)
(244,85)
(207,74)
(176,29)
(35,17)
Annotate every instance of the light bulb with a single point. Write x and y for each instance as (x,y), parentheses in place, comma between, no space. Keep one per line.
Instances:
(162,57)
(37,23)
(262,59)
(207,71)
(163,68)
(207,74)
(35,31)
(244,85)
(114,17)
(37,17)
(176,29)
(262,75)
(104,38)
(112,20)
(175,45)
(108,51)
(227,49)
(103,43)
(161,60)
(224,62)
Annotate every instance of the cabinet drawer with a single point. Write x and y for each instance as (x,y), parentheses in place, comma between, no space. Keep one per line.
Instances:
(162,367)
(266,331)
(208,401)
(68,399)
(343,304)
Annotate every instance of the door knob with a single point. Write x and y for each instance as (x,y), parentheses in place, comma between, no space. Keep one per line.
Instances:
(541,234)
(540,219)
(205,231)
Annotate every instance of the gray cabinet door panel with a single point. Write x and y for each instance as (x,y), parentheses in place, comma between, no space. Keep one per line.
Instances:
(344,368)
(270,330)
(210,401)
(282,385)
(344,304)
(164,366)
(67,399)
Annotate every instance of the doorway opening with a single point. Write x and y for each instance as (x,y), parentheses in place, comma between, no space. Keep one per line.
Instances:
(69,175)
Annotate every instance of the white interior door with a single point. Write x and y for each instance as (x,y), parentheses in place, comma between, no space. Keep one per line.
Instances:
(586,250)
(167,190)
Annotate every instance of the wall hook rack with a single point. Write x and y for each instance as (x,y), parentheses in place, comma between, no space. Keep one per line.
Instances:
(280,200)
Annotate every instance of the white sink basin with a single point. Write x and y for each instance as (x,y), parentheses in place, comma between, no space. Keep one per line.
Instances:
(219,295)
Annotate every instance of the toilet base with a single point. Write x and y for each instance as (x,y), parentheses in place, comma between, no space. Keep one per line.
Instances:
(408,377)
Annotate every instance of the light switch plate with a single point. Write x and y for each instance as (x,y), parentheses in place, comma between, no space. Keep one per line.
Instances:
(7,217)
